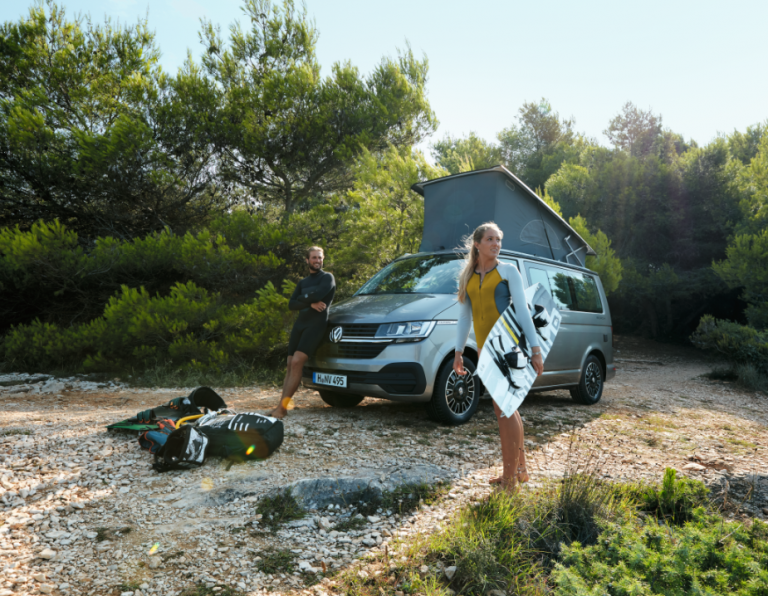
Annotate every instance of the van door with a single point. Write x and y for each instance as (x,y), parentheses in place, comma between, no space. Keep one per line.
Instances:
(578,298)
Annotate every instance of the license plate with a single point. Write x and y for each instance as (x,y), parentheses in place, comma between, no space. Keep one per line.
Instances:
(328,379)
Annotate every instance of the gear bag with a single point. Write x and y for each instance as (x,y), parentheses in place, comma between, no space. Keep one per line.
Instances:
(235,436)
(202,398)
(154,439)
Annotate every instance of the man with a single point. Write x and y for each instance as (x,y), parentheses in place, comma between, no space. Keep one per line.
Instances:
(312,298)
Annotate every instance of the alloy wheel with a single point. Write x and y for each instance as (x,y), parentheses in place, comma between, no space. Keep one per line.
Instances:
(593,379)
(459,392)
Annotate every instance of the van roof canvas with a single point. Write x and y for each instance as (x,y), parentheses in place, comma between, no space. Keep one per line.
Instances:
(455,205)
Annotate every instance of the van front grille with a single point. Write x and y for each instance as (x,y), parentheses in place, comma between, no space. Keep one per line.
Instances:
(352,331)
(351,349)
(360,350)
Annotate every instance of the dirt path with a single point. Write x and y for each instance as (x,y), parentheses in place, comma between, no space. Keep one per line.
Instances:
(89,500)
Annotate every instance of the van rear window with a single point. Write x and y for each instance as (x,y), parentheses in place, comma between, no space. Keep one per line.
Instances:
(571,290)
(432,274)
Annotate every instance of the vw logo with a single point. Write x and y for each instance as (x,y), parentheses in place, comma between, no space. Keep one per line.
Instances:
(336,334)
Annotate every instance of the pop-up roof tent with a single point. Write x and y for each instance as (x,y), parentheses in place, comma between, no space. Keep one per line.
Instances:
(455,205)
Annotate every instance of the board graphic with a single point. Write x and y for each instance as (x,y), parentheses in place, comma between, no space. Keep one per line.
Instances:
(505,360)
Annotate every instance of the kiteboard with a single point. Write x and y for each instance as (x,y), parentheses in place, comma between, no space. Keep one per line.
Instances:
(505,360)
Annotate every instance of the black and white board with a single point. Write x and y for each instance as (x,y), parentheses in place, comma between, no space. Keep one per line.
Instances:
(505,360)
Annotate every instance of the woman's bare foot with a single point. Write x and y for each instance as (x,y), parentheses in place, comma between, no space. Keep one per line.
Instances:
(279,412)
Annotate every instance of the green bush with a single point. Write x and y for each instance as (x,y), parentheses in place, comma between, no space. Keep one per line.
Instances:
(509,543)
(47,272)
(191,328)
(704,556)
(734,343)
(750,377)
(676,500)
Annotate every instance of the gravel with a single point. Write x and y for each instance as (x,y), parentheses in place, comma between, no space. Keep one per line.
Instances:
(81,511)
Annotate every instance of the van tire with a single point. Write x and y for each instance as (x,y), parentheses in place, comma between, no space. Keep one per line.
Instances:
(452,411)
(340,400)
(590,388)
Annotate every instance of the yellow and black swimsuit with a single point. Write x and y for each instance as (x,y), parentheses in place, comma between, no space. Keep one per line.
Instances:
(485,302)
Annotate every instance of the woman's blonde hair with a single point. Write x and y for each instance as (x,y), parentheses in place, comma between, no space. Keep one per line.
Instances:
(470,261)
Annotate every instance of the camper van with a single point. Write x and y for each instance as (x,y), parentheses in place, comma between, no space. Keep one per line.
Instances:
(395,337)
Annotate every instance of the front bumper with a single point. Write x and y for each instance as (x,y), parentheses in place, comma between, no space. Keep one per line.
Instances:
(398,371)
(403,380)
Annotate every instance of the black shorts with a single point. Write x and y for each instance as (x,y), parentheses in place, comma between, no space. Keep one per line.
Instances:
(306,338)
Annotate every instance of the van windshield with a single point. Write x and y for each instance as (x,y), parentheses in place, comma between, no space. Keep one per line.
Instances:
(432,274)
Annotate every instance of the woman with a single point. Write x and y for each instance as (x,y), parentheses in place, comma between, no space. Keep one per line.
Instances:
(486,288)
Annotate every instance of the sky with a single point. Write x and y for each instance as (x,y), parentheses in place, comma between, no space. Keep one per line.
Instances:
(699,64)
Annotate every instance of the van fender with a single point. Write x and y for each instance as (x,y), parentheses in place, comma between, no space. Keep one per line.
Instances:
(593,350)
(470,352)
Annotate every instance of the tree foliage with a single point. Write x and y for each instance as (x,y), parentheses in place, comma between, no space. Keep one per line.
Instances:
(746,266)
(537,145)
(290,135)
(464,154)
(606,264)
(385,217)
(633,130)
(93,133)
(753,182)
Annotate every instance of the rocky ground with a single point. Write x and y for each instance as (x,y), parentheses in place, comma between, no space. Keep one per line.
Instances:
(82,512)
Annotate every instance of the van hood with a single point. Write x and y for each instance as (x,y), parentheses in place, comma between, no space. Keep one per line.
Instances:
(390,308)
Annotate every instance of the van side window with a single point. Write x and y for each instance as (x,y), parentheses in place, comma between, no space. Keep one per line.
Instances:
(570,289)
(511,262)
(539,276)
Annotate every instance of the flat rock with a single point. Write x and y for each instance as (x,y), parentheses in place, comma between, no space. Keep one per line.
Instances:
(318,493)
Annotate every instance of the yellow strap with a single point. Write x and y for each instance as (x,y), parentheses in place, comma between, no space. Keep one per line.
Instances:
(186,419)
(512,333)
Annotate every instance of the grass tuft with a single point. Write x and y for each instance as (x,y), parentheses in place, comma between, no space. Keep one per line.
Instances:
(676,501)
(15,431)
(278,509)
(103,534)
(276,560)
(350,524)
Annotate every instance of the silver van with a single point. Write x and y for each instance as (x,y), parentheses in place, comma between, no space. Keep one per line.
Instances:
(395,337)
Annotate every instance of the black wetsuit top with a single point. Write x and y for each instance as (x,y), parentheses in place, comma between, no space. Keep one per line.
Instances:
(308,329)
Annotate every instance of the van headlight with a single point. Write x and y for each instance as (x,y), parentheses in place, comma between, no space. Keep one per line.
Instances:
(406,332)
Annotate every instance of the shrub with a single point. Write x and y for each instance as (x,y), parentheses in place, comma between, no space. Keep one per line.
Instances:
(46,273)
(750,377)
(676,501)
(191,328)
(511,542)
(735,343)
(745,375)
(704,556)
